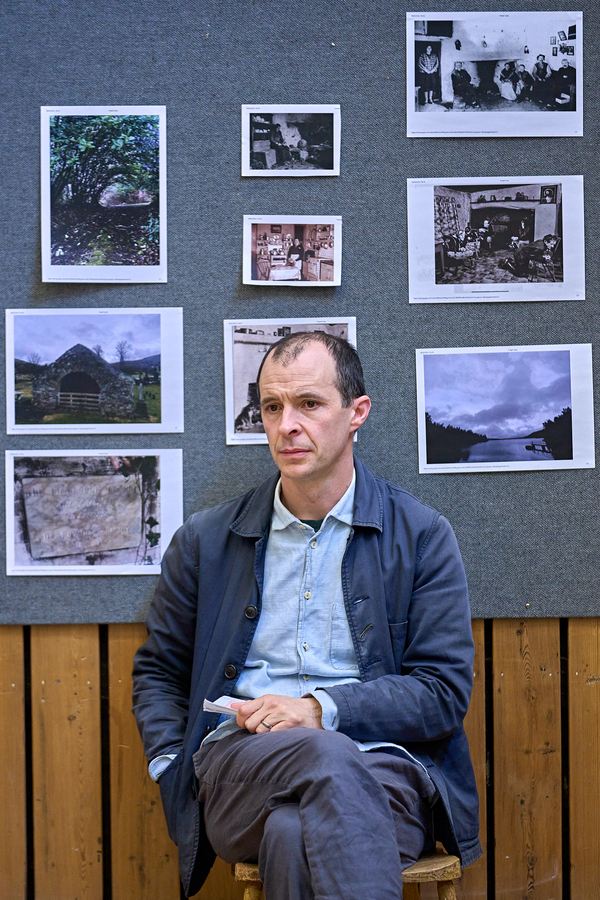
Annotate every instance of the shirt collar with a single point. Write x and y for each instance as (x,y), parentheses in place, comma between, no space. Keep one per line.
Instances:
(342,511)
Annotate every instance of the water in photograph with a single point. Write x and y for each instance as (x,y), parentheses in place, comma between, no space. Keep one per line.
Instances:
(509,450)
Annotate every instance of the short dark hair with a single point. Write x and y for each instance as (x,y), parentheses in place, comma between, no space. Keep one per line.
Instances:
(350,380)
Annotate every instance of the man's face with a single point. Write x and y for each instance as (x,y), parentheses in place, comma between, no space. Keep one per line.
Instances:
(458,67)
(564,63)
(308,429)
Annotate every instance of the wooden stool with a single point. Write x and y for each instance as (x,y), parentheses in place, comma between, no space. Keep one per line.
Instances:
(438,867)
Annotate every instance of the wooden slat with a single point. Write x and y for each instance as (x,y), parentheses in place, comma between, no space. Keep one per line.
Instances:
(473,883)
(67,810)
(13,848)
(144,859)
(527,759)
(584,757)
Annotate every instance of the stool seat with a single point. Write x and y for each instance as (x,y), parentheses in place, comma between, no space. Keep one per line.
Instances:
(438,867)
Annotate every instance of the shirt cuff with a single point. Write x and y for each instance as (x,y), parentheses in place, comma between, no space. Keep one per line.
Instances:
(159,764)
(330,717)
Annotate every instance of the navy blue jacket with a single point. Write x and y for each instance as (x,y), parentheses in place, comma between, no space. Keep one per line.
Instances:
(407,605)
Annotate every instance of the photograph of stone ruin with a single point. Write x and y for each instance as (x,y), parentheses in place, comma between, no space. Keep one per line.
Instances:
(110,384)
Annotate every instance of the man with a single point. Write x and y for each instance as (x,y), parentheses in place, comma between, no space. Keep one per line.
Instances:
(541,74)
(524,83)
(337,604)
(462,87)
(564,86)
(533,252)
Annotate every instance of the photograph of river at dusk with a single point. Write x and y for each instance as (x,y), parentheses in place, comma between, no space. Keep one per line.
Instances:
(507,408)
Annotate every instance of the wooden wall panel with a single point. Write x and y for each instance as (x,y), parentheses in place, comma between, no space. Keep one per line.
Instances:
(66,741)
(527,759)
(144,859)
(584,757)
(13,842)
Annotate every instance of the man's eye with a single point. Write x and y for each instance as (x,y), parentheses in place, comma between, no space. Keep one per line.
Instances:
(311,404)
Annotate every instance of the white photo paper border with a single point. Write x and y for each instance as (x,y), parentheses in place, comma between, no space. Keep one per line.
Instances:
(320,109)
(422,287)
(171,358)
(240,439)
(582,406)
(102,274)
(484,123)
(171,509)
(317,220)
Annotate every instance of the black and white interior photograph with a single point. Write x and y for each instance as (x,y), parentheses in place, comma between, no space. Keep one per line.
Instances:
(502,239)
(519,63)
(295,140)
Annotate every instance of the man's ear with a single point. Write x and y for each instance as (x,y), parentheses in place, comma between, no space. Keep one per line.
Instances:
(361,407)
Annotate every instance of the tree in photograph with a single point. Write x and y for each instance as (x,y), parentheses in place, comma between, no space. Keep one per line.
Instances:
(558,434)
(447,443)
(123,350)
(89,154)
(34,357)
(97,348)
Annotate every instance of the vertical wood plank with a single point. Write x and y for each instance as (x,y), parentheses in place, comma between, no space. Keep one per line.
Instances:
(527,759)
(473,883)
(13,842)
(584,757)
(67,806)
(144,859)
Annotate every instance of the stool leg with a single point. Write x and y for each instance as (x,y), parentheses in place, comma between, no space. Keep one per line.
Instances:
(411,891)
(446,890)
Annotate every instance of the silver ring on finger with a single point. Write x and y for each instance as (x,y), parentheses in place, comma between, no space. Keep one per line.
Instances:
(266,724)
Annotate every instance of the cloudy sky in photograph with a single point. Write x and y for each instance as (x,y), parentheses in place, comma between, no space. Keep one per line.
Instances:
(501,394)
(53,335)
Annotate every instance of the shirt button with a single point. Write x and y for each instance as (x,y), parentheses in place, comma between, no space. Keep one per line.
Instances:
(306,677)
(305,646)
(307,595)
(313,544)
(251,612)
(230,671)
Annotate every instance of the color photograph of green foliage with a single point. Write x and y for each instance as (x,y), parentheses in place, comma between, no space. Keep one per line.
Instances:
(104,190)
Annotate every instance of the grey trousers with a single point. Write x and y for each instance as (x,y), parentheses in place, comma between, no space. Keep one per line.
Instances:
(324,820)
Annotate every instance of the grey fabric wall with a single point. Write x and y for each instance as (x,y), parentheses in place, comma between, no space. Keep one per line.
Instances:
(528,537)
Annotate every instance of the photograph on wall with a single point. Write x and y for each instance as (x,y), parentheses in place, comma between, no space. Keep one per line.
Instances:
(91,512)
(94,371)
(499,409)
(492,74)
(302,251)
(246,342)
(290,140)
(104,193)
(499,239)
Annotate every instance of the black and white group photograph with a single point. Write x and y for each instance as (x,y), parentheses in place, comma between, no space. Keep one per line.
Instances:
(246,343)
(290,140)
(104,181)
(94,371)
(503,239)
(305,251)
(92,512)
(494,74)
(484,409)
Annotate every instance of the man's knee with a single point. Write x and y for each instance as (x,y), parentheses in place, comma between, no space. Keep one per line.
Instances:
(283,829)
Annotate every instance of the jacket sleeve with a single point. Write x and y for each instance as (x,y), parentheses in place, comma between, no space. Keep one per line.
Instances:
(163,665)
(427,697)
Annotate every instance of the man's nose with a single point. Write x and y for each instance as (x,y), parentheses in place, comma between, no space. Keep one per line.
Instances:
(289,422)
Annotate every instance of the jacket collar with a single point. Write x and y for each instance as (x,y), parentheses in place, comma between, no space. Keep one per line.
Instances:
(255,517)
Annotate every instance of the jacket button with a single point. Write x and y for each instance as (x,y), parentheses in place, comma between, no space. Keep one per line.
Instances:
(230,671)
(251,612)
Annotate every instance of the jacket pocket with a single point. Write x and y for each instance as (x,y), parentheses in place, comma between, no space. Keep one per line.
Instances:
(169,793)
(398,636)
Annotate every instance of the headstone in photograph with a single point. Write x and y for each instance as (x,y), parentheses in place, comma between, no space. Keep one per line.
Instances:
(90,514)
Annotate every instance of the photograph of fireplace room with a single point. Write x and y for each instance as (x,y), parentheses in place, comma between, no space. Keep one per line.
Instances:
(486,63)
(494,234)
(293,252)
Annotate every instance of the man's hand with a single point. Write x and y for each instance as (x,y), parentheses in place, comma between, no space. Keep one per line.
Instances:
(274,712)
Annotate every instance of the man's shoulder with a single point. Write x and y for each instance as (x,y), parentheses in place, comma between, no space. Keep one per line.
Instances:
(394,499)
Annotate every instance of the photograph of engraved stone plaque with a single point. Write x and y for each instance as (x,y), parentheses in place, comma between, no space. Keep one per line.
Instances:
(104,193)
(491,74)
(300,251)
(503,239)
(246,341)
(293,140)
(487,409)
(91,513)
(87,371)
